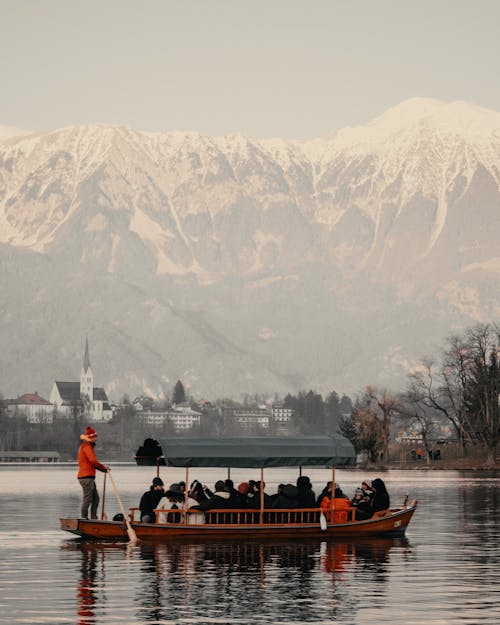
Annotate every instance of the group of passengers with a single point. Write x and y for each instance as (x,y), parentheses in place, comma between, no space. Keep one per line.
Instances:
(369,499)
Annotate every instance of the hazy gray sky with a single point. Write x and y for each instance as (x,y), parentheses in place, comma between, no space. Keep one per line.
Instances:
(263,68)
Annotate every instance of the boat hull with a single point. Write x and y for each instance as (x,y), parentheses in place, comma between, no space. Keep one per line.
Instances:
(392,525)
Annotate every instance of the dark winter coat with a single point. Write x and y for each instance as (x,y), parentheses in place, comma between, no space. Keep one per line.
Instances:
(219,500)
(287,498)
(305,497)
(380,499)
(149,502)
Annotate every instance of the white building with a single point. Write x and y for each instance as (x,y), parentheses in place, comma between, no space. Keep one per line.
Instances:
(36,409)
(182,418)
(282,414)
(82,397)
(250,418)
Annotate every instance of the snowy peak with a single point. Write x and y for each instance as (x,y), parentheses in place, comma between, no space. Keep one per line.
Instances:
(419,120)
(459,117)
(215,206)
(8,132)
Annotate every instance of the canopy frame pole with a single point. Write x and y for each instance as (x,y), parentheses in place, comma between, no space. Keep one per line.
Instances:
(229,473)
(261,519)
(186,496)
(158,466)
(332,505)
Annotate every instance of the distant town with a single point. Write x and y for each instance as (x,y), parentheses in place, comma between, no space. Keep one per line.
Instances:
(30,418)
(448,408)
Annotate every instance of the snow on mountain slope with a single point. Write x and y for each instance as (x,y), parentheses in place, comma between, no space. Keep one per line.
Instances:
(351,244)
(8,132)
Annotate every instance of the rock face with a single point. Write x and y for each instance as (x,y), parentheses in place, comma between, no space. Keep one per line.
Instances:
(247,266)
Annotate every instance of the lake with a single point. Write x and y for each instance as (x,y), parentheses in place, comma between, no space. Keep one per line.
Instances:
(446,570)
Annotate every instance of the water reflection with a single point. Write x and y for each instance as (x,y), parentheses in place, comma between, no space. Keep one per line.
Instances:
(286,581)
(306,581)
(86,592)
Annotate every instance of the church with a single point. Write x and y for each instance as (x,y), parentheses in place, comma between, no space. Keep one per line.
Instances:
(81,398)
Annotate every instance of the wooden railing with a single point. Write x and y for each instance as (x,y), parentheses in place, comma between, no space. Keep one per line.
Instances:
(245,516)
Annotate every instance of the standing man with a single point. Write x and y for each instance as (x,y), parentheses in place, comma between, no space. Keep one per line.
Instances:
(87,464)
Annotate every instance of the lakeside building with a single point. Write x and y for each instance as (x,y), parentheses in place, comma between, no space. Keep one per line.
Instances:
(251,418)
(281,417)
(74,398)
(182,418)
(31,406)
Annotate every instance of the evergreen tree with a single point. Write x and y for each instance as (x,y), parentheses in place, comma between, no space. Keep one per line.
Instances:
(179,393)
(332,413)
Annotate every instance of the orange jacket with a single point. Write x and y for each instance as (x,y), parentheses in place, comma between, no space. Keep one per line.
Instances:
(87,461)
(339,503)
(341,506)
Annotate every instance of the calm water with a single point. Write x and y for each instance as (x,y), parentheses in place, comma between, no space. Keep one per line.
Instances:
(446,570)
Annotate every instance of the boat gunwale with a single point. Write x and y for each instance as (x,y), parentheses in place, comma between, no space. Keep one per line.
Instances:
(152,531)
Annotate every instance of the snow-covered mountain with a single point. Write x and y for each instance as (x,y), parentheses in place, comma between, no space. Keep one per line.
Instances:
(241,265)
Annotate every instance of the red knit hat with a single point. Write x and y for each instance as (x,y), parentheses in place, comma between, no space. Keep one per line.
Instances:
(243,488)
(90,432)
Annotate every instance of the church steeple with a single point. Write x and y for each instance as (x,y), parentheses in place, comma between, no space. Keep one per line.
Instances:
(86,358)
(86,376)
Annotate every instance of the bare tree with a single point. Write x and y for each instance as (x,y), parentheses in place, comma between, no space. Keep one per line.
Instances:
(383,405)
(415,409)
(483,387)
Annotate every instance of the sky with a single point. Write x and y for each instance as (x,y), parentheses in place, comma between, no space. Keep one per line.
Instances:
(266,68)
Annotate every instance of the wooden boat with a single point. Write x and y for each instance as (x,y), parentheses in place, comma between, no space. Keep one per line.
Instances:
(263,523)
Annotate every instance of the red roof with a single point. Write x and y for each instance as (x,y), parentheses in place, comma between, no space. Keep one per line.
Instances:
(32,398)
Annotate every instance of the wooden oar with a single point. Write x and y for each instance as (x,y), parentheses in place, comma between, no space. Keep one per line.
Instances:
(323,522)
(132,536)
(103,514)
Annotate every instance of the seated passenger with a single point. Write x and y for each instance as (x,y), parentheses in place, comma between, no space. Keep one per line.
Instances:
(340,504)
(361,503)
(233,494)
(199,489)
(196,496)
(175,501)
(257,493)
(287,497)
(305,497)
(242,500)
(150,500)
(380,500)
(323,493)
(219,499)
(366,487)
(251,494)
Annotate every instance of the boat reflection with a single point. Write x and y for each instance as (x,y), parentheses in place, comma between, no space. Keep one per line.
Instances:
(86,591)
(299,581)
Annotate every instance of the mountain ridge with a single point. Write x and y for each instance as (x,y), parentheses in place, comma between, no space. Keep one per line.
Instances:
(254,241)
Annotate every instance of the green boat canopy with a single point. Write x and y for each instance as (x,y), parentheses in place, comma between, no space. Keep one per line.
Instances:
(250,452)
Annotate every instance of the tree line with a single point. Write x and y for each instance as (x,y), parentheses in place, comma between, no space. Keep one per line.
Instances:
(460,390)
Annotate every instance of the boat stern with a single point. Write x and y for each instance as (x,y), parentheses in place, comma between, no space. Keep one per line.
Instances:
(70,525)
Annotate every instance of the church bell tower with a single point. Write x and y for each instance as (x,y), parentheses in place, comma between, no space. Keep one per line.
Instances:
(86,376)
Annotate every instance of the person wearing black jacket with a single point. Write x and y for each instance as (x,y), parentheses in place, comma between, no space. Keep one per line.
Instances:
(286,497)
(234,496)
(150,500)
(380,499)
(305,497)
(258,492)
(219,499)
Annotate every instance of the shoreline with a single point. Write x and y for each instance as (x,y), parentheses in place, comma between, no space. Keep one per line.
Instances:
(459,465)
